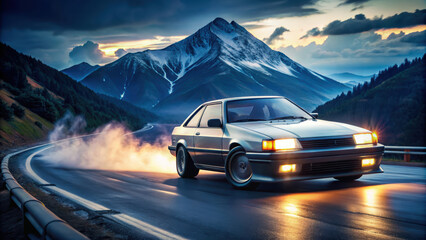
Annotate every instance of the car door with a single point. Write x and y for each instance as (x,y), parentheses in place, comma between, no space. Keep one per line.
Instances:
(208,140)
(190,127)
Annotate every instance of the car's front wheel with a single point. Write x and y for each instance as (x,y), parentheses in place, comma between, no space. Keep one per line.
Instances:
(238,170)
(348,178)
(184,165)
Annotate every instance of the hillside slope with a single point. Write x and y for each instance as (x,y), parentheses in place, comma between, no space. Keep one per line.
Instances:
(23,129)
(394,107)
(34,96)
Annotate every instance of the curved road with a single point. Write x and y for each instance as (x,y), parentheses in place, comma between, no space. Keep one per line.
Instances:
(378,206)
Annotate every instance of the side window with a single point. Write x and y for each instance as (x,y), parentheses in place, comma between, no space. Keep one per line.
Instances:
(193,122)
(211,112)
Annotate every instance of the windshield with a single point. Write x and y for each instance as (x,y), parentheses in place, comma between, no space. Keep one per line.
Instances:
(263,109)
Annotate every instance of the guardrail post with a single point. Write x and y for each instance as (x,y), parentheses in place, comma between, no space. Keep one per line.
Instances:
(407,155)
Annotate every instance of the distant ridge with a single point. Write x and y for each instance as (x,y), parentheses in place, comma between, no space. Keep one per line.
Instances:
(80,71)
(350,79)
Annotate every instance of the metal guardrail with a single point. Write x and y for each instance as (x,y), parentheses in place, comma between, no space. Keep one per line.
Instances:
(39,222)
(406,150)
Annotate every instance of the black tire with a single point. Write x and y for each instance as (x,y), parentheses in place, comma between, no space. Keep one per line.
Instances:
(239,179)
(348,178)
(184,165)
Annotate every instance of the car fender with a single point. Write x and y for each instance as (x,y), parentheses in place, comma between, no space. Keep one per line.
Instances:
(181,142)
(235,142)
(249,140)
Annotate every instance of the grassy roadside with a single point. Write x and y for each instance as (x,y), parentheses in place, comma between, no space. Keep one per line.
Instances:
(24,130)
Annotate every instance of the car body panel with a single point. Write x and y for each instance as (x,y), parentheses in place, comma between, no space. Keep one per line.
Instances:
(301,129)
(209,147)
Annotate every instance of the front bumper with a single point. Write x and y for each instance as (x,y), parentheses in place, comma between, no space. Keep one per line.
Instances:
(265,166)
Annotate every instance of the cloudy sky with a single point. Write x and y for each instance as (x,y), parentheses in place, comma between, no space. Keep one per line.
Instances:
(329,36)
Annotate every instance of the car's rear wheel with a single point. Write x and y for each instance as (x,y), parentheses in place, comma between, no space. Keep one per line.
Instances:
(348,178)
(238,169)
(184,165)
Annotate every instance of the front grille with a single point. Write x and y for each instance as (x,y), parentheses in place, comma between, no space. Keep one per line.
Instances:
(331,167)
(327,143)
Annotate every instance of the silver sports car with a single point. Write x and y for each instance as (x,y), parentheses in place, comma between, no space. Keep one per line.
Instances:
(271,139)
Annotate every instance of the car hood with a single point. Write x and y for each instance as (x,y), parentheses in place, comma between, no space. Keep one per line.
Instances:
(302,129)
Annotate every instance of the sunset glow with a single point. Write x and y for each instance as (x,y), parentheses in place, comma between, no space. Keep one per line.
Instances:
(155,43)
(386,32)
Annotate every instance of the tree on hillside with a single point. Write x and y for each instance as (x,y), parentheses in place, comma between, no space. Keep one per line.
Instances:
(5,111)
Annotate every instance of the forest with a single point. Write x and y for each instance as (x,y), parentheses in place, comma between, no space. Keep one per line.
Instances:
(391,103)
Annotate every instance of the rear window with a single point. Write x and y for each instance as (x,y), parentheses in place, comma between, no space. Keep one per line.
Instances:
(211,112)
(195,119)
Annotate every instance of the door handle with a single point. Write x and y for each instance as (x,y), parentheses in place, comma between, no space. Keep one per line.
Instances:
(197,133)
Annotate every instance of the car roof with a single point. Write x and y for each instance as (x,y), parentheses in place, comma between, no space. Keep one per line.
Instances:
(239,98)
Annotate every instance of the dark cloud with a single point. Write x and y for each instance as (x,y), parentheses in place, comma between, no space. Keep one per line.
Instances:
(88,52)
(360,23)
(358,4)
(418,38)
(63,15)
(363,52)
(120,52)
(278,32)
(71,23)
(353,2)
(395,36)
(313,32)
(357,8)
(353,25)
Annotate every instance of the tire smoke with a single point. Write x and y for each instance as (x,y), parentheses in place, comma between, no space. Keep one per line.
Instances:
(111,147)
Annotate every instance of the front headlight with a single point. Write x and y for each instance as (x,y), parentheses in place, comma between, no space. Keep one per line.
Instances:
(366,138)
(281,144)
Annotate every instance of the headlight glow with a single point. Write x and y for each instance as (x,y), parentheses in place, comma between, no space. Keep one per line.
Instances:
(375,138)
(287,168)
(367,162)
(364,138)
(281,144)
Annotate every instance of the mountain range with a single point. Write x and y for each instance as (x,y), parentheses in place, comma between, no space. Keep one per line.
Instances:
(350,79)
(220,60)
(80,71)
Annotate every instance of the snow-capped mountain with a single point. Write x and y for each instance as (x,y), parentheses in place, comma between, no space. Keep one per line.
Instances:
(220,60)
(80,71)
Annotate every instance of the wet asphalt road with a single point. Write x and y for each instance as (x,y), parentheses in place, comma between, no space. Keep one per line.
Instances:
(391,205)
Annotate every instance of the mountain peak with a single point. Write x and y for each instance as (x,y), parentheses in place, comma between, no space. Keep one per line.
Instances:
(220,20)
(222,24)
(83,64)
(79,71)
(214,59)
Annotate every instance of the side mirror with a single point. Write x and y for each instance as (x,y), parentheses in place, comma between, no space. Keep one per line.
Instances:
(315,115)
(214,123)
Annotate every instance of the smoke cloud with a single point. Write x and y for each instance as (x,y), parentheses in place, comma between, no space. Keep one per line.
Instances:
(67,126)
(111,147)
